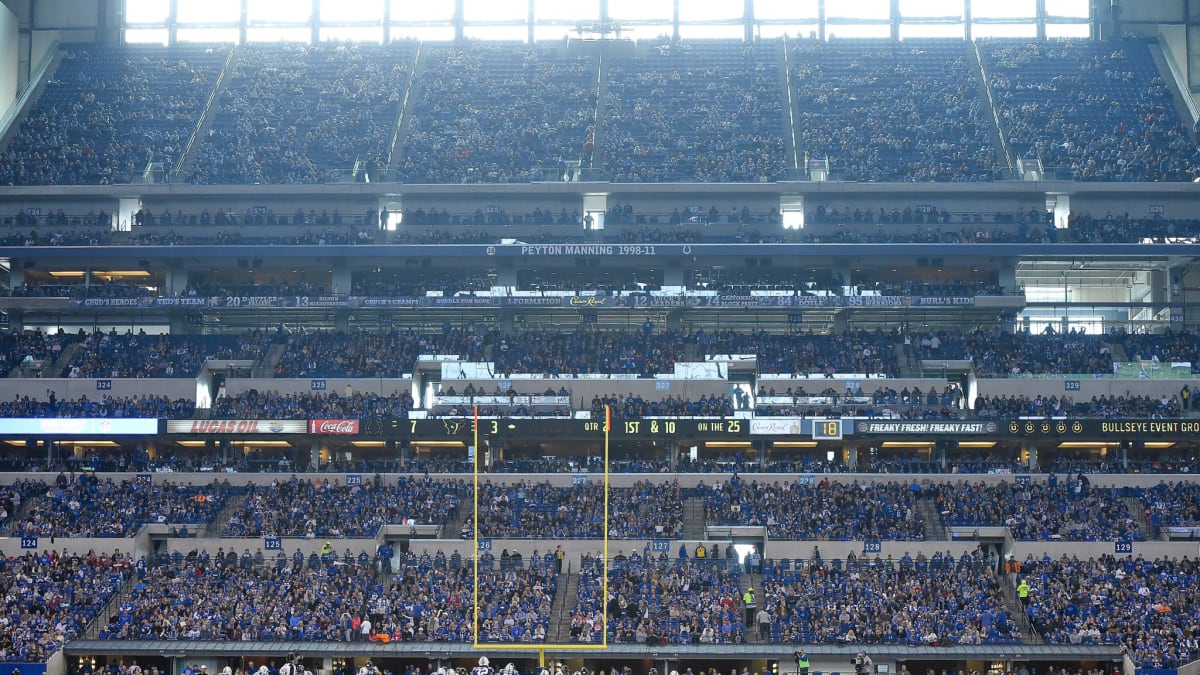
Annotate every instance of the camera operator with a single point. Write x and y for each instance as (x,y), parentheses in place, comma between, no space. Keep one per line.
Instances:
(802,663)
(863,664)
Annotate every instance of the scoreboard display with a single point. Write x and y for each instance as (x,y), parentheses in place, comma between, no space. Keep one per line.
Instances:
(464,428)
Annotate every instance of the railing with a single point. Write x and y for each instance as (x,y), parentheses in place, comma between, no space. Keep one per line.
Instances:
(177,173)
(23,94)
(987,87)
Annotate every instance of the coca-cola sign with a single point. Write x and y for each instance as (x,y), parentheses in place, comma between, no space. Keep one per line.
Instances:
(339,427)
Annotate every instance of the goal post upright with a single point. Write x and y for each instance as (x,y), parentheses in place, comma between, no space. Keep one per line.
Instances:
(542,648)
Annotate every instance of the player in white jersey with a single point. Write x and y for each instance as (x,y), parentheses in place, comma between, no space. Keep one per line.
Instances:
(484,668)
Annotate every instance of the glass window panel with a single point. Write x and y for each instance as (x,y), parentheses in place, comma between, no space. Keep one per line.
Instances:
(1072,8)
(495,10)
(932,30)
(423,10)
(711,10)
(208,35)
(579,10)
(649,32)
(910,8)
(705,32)
(785,9)
(641,9)
(355,33)
(858,31)
(793,30)
(859,9)
(1003,9)
(275,11)
(1068,30)
(208,11)
(147,11)
(425,33)
(553,33)
(362,10)
(496,33)
(1003,30)
(297,34)
(147,36)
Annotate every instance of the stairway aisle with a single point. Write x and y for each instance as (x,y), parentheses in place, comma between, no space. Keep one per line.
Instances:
(560,611)
(693,519)
(1017,614)
(216,528)
(458,518)
(934,529)
(1139,516)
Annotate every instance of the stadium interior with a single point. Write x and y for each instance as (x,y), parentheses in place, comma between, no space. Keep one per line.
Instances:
(644,338)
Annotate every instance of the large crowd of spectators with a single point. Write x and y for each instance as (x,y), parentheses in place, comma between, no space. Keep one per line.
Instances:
(29,348)
(638,352)
(272,405)
(700,111)
(299,508)
(1023,405)
(543,511)
(1146,605)
(1070,510)
(91,507)
(108,112)
(144,406)
(232,597)
(428,598)
(709,113)
(863,352)
(50,598)
(1091,111)
(515,601)
(389,353)
(830,510)
(919,112)
(679,602)
(1172,505)
(108,355)
(997,353)
(498,113)
(928,601)
(293,113)
(1124,228)
(631,406)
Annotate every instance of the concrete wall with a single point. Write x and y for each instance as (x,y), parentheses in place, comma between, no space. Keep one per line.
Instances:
(338,385)
(9,59)
(1173,40)
(576,548)
(67,388)
(1164,11)
(1087,388)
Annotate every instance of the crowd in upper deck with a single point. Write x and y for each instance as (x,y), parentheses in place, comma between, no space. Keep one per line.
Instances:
(704,111)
